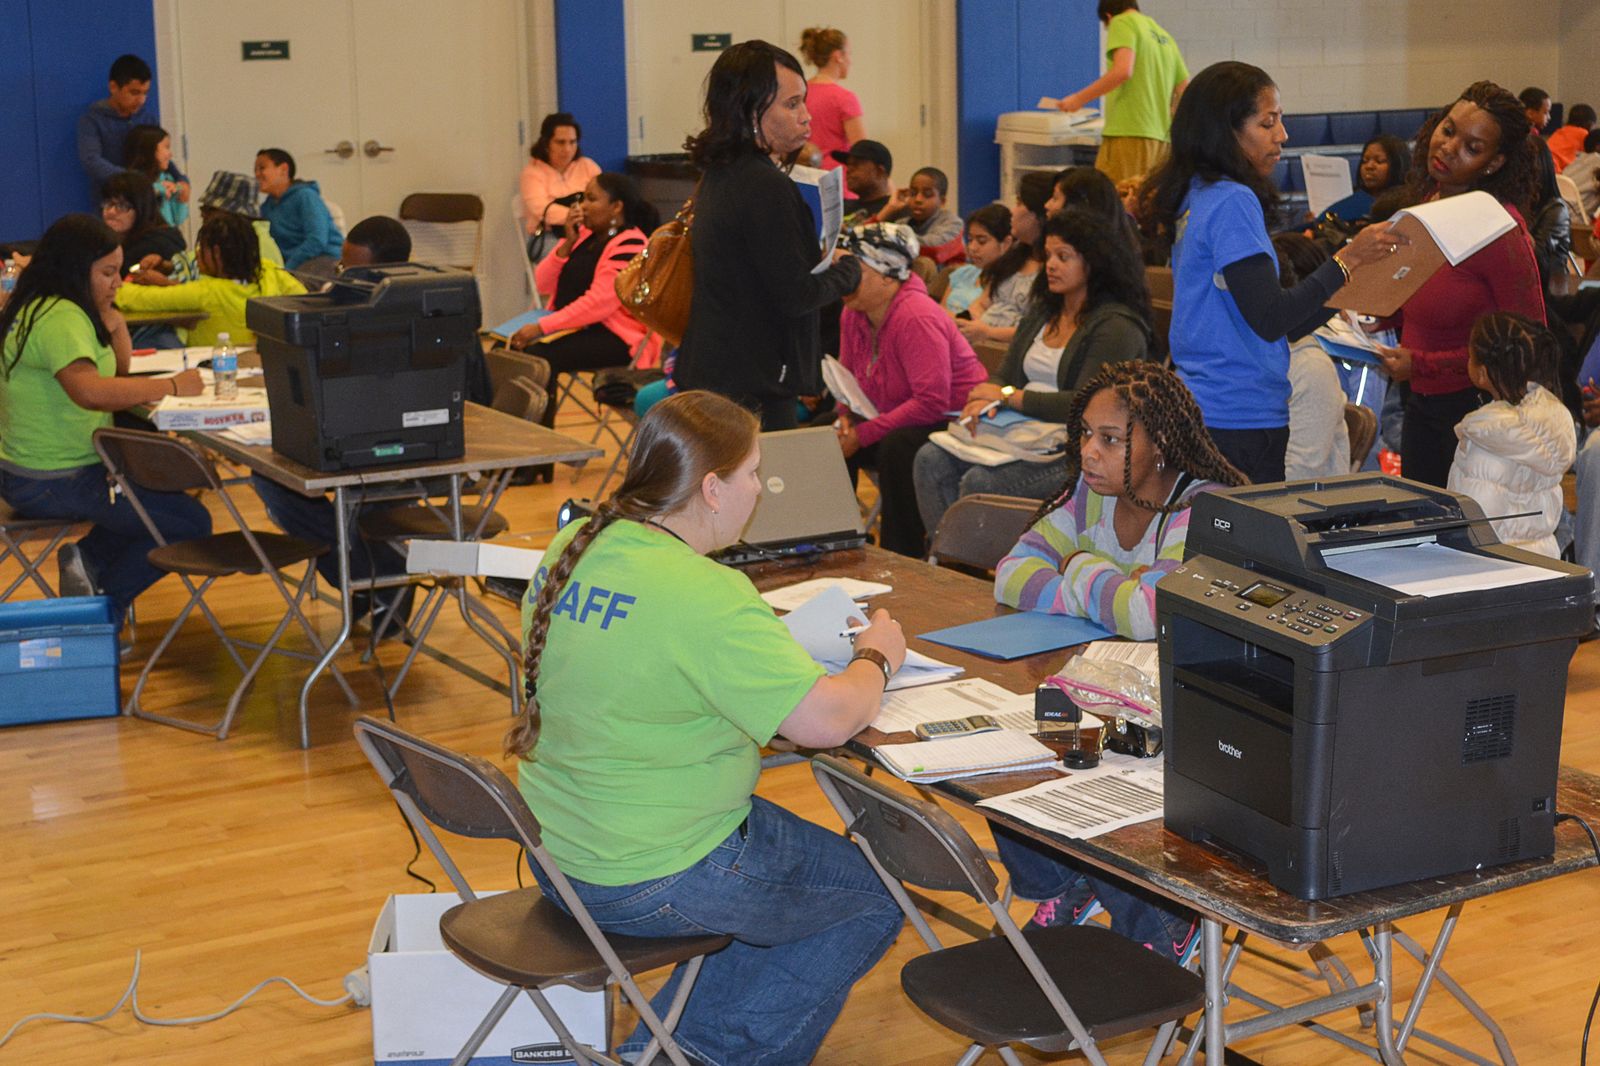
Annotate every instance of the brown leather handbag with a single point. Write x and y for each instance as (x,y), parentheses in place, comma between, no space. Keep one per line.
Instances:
(656,286)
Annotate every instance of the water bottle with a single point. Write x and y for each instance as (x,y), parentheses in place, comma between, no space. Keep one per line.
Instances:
(225,368)
(8,280)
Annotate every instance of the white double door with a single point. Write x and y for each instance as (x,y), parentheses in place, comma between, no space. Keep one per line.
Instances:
(377,99)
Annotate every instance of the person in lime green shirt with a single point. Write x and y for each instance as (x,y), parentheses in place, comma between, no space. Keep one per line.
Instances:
(231,273)
(654,675)
(1145,76)
(64,352)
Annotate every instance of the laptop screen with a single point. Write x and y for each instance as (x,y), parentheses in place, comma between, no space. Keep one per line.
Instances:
(805,489)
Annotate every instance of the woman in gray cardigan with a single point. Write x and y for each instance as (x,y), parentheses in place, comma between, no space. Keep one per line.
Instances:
(1089,307)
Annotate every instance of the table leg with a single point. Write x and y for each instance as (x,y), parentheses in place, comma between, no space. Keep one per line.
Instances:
(1216,992)
(341,518)
(1383,1006)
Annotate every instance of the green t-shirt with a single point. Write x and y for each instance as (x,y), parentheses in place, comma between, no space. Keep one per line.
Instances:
(663,673)
(40,427)
(1142,105)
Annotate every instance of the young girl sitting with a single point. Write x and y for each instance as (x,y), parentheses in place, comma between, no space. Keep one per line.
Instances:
(991,287)
(1097,550)
(231,272)
(1514,451)
(149,153)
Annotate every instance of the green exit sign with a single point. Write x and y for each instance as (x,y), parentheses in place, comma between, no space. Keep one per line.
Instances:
(710,42)
(265,49)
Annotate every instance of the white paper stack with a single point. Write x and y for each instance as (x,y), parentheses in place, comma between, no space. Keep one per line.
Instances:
(846,389)
(926,761)
(790,597)
(1461,225)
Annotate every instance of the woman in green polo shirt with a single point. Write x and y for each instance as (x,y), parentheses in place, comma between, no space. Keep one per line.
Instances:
(654,675)
(64,353)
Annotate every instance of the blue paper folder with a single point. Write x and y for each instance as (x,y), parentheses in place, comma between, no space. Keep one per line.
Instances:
(1014,636)
(505,329)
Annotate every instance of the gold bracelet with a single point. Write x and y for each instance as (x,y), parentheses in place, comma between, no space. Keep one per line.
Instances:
(1343,269)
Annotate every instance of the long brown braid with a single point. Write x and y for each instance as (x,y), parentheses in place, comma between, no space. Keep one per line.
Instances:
(1159,401)
(680,441)
(1514,350)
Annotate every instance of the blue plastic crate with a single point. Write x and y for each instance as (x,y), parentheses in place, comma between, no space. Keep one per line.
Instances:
(58,660)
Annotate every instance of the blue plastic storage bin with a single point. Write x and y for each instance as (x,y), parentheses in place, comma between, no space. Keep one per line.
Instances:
(58,660)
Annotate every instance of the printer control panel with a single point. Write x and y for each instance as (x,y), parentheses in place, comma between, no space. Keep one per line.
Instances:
(1267,602)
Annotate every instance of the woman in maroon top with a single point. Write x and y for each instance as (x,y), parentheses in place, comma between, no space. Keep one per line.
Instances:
(1478,142)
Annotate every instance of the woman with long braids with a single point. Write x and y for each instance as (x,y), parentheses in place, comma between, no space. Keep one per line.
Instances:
(653,677)
(1097,548)
(1479,142)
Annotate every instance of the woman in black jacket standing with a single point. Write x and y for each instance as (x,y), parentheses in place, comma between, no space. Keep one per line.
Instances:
(753,323)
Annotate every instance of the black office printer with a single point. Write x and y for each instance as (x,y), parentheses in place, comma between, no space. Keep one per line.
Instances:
(372,371)
(1346,733)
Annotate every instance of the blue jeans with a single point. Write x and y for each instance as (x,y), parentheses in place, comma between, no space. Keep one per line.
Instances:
(1039,873)
(808,916)
(116,547)
(941,479)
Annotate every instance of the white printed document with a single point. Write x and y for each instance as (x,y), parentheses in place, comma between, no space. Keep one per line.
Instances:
(822,627)
(1462,224)
(904,711)
(1435,570)
(846,389)
(1327,180)
(1120,791)
(830,191)
(790,597)
(926,761)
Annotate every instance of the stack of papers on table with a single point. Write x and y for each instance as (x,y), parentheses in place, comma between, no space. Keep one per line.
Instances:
(1435,570)
(207,412)
(249,433)
(927,761)
(822,626)
(1120,791)
(902,712)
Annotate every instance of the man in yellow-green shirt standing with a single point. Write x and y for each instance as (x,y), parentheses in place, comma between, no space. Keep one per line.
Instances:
(1144,77)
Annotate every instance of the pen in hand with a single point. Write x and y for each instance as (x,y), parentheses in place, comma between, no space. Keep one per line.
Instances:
(991,408)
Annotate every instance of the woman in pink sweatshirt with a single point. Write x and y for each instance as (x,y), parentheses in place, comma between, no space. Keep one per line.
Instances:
(587,327)
(912,364)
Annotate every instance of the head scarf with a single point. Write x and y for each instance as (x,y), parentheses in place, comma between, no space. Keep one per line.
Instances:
(887,247)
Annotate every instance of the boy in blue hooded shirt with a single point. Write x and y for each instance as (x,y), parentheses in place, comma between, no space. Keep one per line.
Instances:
(299,219)
(103,128)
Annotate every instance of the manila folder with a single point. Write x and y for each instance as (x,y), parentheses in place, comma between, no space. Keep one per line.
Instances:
(1382,288)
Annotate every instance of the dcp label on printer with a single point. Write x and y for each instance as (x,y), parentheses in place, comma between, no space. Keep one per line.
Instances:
(436,417)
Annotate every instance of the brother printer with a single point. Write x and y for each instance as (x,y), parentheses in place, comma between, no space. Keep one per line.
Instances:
(1361,685)
(371,371)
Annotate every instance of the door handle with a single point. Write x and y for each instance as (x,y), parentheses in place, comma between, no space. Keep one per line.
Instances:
(372,149)
(344,150)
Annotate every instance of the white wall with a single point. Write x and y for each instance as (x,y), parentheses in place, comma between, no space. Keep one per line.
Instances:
(1345,55)
(1579,82)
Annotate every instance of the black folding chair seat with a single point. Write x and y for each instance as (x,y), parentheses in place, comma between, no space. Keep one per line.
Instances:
(1128,989)
(222,554)
(521,938)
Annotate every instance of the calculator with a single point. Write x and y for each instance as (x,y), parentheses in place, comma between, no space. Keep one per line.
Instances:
(957,727)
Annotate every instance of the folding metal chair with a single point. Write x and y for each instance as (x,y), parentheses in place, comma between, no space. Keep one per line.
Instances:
(978,530)
(1054,990)
(15,531)
(151,461)
(446,228)
(522,939)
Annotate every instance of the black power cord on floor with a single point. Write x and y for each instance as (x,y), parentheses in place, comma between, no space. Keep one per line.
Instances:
(1588,1022)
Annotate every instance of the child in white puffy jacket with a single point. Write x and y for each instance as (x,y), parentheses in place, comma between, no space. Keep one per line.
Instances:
(1514,451)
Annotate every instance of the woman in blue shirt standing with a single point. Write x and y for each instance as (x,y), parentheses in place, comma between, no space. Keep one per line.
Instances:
(1231,321)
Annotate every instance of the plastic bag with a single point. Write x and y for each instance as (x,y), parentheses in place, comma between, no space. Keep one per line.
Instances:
(1112,689)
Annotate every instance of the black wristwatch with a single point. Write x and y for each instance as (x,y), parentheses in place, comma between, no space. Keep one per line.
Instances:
(876,658)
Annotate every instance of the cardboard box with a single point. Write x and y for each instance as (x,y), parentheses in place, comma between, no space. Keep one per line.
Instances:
(207,412)
(453,558)
(426,1003)
(58,660)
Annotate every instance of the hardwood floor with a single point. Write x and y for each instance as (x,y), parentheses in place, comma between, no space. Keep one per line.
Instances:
(226,863)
